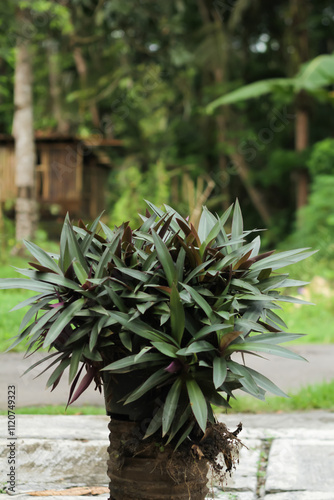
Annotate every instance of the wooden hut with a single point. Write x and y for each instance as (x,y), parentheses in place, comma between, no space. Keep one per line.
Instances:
(71,173)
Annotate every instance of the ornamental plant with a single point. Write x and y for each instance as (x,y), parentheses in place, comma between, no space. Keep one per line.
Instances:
(165,306)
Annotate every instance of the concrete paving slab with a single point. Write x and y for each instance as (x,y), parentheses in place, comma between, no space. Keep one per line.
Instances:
(301,495)
(59,426)
(44,463)
(300,465)
(221,495)
(24,496)
(74,448)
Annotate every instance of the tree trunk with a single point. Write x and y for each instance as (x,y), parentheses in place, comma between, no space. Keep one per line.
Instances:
(301,143)
(25,157)
(299,10)
(255,196)
(55,88)
(211,16)
(82,70)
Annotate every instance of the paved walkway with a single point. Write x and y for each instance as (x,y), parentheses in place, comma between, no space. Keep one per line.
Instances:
(288,457)
(286,373)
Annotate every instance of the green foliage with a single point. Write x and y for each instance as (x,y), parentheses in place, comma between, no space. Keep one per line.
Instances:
(321,161)
(310,397)
(131,185)
(317,219)
(166,302)
(314,75)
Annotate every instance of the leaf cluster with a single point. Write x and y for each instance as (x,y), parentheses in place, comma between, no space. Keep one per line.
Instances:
(167,301)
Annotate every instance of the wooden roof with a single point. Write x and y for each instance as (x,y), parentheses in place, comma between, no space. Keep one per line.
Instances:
(90,141)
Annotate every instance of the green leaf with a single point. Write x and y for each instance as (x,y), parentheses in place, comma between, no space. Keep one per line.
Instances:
(237,225)
(200,301)
(195,347)
(185,434)
(216,230)
(75,359)
(275,338)
(28,302)
(115,298)
(63,320)
(170,405)
(66,258)
(219,371)
(121,365)
(217,399)
(282,259)
(262,347)
(90,236)
(74,248)
(210,328)
(33,311)
(179,267)
(36,286)
(178,422)
(245,378)
(58,371)
(266,384)
(80,272)
(39,325)
(50,278)
(153,381)
(177,316)
(206,223)
(97,327)
(126,339)
(101,269)
(42,257)
(155,423)
(198,403)
(165,259)
(167,349)
(251,91)
(143,351)
(197,271)
(139,327)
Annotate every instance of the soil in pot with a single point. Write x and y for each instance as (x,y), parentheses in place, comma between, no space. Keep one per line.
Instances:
(146,470)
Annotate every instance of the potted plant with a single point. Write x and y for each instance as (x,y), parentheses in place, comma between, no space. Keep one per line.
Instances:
(156,316)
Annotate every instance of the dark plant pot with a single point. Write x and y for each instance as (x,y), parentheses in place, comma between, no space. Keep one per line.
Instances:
(116,387)
(141,470)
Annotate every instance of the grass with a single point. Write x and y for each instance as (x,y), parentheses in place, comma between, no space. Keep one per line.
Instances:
(58,410)
(311,397)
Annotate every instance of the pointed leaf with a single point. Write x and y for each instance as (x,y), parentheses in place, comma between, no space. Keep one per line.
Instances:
(199,299)
(153,381)
(198,346)
(261,347)
(198,403)
(42,257)
(170,405)
(63,320)
(219,371)
(177,316)
(165,258)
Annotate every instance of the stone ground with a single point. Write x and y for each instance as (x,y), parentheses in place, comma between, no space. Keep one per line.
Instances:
(287,457)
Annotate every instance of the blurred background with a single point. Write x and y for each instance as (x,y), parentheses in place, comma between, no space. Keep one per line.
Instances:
(106,103)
